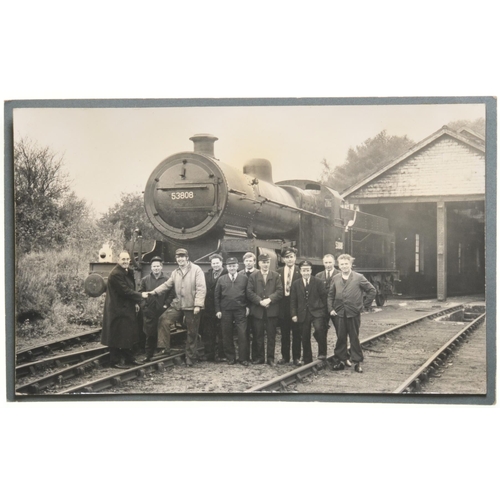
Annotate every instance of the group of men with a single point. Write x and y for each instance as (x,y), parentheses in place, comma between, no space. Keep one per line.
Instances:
(250,304)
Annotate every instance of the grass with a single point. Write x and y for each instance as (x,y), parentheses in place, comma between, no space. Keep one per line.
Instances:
(50,297)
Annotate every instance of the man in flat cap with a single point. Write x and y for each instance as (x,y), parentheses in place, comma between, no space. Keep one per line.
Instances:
(264,291)
(231,308)
(188,281)
(288,274)
(211,333)
(308,308)
(153,307)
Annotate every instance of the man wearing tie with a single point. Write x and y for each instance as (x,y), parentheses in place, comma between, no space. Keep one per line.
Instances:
(231,308)
(329,272)
(249,261)
(326,277)
(308,307)
(288,275)
(264,291)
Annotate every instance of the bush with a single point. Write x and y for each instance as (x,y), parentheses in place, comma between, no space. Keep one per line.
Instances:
(50,294)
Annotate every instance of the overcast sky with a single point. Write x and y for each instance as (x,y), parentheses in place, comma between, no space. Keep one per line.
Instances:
(110,151)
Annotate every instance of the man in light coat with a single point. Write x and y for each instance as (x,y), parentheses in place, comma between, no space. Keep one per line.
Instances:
(188,280)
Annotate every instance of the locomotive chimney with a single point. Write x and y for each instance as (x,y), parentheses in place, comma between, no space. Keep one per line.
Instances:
(204,144)
(260,168)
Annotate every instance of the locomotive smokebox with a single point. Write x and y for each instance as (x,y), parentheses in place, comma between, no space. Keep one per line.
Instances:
(204,144)
(192,195)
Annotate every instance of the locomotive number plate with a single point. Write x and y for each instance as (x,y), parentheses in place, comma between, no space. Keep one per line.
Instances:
(182,195)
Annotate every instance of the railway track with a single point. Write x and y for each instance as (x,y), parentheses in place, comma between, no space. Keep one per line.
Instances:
(292,380)
(437,360)
(87,371)
(31,353)
(46,374)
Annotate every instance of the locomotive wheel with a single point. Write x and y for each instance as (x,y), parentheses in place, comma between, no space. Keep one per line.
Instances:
(380,299)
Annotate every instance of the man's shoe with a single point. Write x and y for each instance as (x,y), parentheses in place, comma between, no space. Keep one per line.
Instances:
(258,362)
(357,367)
(244,363)
(296,362)
(322,358)
(348,363)
(231,361)
(136,362)
(338,366)
(283,361)
(271,362)
(121,366)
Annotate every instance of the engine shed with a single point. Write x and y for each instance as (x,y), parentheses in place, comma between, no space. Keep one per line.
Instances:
(434,198)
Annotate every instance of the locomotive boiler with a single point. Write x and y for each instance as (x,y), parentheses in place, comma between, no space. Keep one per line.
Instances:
(204,205)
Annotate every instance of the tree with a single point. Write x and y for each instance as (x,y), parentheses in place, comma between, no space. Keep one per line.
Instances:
(478,125)
(48,213)
(364,159)
(129,214)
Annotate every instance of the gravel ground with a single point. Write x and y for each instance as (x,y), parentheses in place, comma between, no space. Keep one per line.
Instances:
(465,371)
(220,378)
(209,377)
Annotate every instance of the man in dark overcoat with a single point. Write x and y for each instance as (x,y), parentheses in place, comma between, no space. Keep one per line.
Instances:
(308,308)
(211,331)
(120,328)
(350,292)
(288,274)
(264,291)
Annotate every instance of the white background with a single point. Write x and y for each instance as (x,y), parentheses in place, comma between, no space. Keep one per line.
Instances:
(58,50)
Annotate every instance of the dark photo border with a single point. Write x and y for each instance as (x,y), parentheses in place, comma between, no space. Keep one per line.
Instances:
(490,231)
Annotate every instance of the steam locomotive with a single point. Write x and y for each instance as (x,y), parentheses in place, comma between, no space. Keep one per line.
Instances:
(206,206)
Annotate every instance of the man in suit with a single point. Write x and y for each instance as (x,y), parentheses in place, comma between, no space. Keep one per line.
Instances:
(329,272)
(264,291)
(210,329)
(350,292)
(231,309)
(308,308)
(326,277)
(249,261)
(288,275)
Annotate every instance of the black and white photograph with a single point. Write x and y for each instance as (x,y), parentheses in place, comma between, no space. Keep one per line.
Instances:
(246,247)
(324,174)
